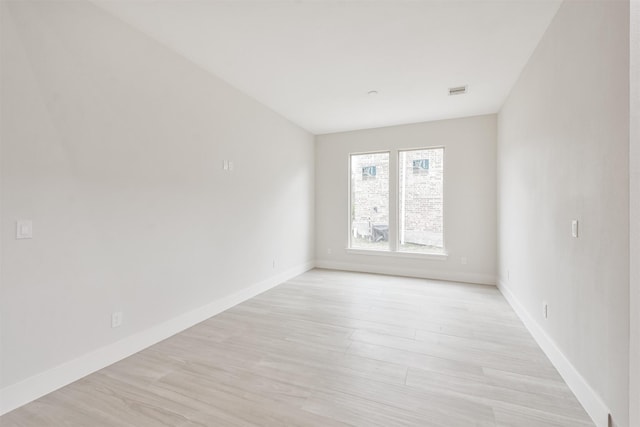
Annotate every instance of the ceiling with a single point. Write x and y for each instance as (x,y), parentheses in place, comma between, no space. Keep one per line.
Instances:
(315,61)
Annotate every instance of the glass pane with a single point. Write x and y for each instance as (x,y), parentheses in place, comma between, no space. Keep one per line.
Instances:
(370,201)
(420,200)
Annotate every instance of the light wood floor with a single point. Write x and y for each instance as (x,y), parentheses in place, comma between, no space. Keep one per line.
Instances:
(326,349)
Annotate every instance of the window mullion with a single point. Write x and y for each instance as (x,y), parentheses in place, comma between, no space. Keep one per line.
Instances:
(393,201)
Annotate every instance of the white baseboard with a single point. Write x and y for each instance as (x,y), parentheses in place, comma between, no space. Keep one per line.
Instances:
(483,279)
(589,399)
(32,388)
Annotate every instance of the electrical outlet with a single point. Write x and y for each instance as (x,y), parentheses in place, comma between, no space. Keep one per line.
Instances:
(545,310)
(116,319)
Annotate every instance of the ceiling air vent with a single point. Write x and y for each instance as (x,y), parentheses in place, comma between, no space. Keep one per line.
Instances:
(460,90)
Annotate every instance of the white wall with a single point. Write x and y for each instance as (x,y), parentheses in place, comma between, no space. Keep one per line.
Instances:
(469,204)
(113,145)
(563,147)
(634,353)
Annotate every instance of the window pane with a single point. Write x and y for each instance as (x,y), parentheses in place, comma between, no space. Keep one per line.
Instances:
(370,201)
(421,175)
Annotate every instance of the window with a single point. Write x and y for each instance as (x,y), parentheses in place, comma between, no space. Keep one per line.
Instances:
(417,220)
(370,201)
(420,201)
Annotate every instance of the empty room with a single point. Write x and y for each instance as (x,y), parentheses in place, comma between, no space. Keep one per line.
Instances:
(320,213)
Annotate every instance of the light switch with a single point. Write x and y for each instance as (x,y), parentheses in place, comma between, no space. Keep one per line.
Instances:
(225,164)
(574,228)
(24,229)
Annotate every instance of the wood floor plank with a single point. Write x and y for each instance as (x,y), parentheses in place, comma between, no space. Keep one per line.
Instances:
(494,395)
(331,348)
(523,417)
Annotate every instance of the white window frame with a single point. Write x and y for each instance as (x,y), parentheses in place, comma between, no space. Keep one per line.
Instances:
(394,213)
(349,224)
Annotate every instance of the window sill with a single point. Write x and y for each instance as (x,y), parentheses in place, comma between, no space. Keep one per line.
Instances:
(414,255)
